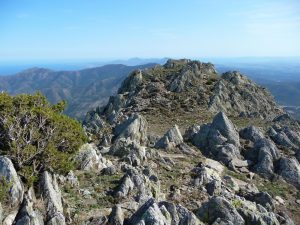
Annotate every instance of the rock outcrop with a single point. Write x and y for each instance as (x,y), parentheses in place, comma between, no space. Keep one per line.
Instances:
(53,200)
(236,94)
(89,159)
(289,169)
(27,215)
(163,213)
(171,139)
(219,210)
(10,177)
(219,139)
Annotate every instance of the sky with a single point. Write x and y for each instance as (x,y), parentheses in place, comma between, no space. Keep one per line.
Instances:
(119,29)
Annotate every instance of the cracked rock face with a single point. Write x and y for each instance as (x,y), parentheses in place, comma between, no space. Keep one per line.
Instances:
(53,200)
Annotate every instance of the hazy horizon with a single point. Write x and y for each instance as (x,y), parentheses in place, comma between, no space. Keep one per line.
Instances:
(13,67)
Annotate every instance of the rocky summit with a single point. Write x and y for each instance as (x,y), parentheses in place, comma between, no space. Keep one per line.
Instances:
(179,144)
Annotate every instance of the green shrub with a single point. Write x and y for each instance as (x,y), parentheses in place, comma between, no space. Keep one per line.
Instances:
(4,189)
(36,136)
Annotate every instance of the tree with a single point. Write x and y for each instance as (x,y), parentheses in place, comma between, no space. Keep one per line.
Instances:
(37,136)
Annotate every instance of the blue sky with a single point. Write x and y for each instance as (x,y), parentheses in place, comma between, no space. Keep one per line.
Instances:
(98,29)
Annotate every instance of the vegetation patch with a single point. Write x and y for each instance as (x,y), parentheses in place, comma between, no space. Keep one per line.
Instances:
(37,136)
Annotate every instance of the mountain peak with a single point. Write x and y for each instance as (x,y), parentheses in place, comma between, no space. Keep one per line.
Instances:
(186,86)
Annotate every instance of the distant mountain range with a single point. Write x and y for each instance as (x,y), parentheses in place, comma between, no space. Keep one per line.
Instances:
(87,88)
(11,68)
(83,89)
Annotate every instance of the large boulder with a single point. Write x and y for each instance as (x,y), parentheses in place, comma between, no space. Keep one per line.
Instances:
(253,213)
(289,169)
(10,177)
(134,129)
(219,139)
(221,210)
(179,214)
(251,133)
(53,200)
(171,139)
(149,213)
(267,153)
(226,128)
(163,213)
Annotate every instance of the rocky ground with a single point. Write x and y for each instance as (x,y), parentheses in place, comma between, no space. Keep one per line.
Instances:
(179,144)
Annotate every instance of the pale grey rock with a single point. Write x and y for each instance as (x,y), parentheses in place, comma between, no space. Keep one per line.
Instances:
(191,132)
(111,170)
(271,132)
(235,94)
(255,214)
(222,124)
(116,216)
(115,103)
(163,213)
(293,135)
(267,154)
(171,139)
(203,174)
(282,139)
(179,214)
(213,187)
(27,215)
(219,139)
(214,165)
(125,187)
(9,219)
(88,159)
(53,200)
(131,83)
(72,179)
(227,153)
(289,169)
(200,139)
(219,207)
(238,163)
(139,185)
(231,183)
(284,219)
(134,129)
(124,147)
(190,74)
(262,198)
(251,133)
(8,172)
(148,213)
